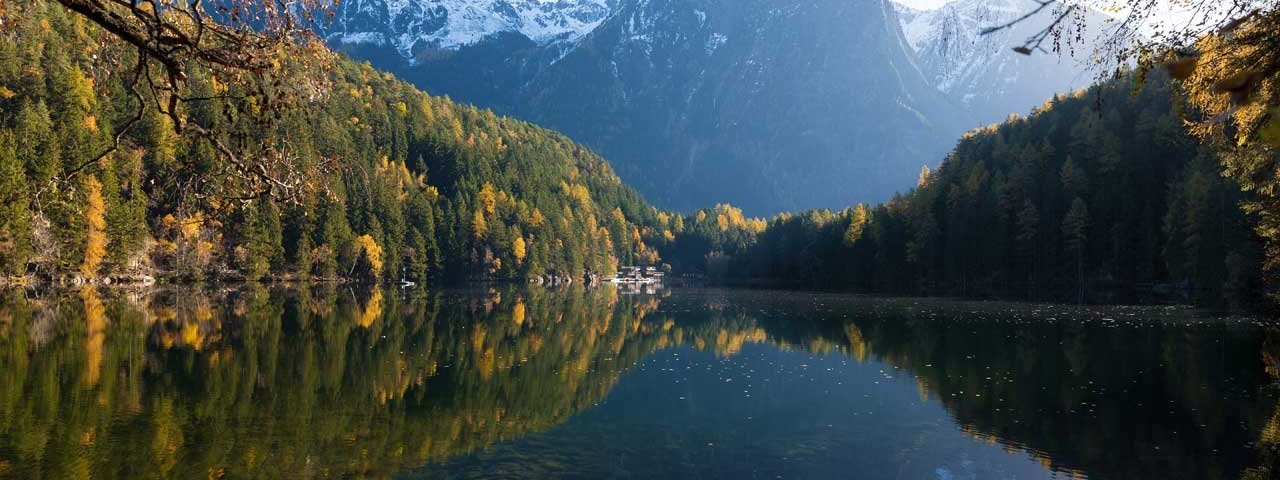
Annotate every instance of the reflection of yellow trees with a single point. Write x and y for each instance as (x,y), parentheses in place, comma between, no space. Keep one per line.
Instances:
(190,323)
(517,312)
(188,383)
(166,437)
(340,394)
(363,386)
(95,319)
(372,309)
(730,343)
(857,346)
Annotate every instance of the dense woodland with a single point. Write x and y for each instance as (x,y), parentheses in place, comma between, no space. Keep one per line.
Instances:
(1098,196)
(409,186)
(1104,195)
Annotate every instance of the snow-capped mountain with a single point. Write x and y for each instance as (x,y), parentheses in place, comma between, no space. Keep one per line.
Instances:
(981,71)
(767,104)
(410,26)
(771,105)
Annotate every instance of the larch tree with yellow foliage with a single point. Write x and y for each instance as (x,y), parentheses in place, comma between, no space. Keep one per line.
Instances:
(95,214)
(368,259)
(518,250)
(858,220)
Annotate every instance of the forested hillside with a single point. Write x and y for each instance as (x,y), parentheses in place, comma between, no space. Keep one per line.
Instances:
(771,105)
(411,186)
(1101,196)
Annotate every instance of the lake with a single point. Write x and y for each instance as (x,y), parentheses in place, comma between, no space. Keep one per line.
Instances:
(505,382)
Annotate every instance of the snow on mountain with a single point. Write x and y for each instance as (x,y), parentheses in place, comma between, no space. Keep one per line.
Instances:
(981,71)
(771,105)
(410,26)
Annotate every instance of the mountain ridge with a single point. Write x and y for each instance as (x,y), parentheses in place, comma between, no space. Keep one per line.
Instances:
(771,105)
(411,27)
(981,72)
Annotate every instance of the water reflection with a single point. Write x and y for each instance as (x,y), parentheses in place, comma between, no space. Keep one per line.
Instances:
(331,381)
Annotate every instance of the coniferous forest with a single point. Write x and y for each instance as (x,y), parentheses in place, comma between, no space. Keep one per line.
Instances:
(417,187)
(1104,195)
(229,251)
(1098,196)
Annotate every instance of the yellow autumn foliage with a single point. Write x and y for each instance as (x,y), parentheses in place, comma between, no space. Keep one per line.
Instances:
(372,252)
(518,249)
(581,196)
(372,309)
(95,325)
(518,312)
(478,225)
(536,219)
(95,214)
(487,198)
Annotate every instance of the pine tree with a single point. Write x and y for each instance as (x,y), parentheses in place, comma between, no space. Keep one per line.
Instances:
(417,263)
(1027,238)
(37,148)
(126,208)
(260,251)
(1075,233)
(1075,182)
(15,227)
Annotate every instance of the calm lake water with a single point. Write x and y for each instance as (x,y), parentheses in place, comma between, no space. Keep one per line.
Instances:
(533,383)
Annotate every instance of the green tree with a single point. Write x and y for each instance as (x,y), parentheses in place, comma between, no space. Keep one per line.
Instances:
(259,250)
(15,227)
(1075,233)
(1027,240)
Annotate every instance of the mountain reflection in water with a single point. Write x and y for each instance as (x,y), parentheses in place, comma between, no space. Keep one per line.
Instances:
(509,382)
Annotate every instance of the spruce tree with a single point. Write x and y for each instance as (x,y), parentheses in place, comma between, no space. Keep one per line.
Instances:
(15,227)
(1075,233)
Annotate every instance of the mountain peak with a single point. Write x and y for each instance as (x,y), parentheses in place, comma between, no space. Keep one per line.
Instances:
(412,26)
(980,71)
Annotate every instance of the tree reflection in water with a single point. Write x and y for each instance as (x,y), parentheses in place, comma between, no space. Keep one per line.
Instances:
(333,381)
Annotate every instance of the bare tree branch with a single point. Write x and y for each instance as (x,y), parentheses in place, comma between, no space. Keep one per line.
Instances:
(253,54)
(137,116)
